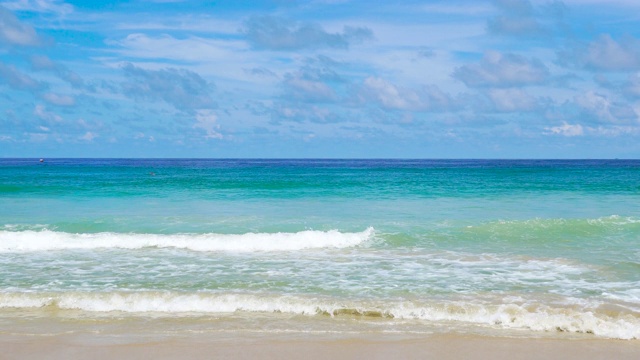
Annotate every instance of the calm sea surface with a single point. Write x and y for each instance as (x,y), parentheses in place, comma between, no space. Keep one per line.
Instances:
(533,247)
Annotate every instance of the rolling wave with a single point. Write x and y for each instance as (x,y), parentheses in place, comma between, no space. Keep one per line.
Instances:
(44,240)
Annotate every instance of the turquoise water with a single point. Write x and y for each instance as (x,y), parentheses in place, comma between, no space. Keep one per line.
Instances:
(538,246)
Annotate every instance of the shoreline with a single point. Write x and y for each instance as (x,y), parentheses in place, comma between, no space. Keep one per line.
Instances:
(242,345)
(57,337)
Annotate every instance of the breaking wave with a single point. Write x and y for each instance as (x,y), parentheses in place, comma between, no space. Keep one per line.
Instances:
(620,324)
(29,240)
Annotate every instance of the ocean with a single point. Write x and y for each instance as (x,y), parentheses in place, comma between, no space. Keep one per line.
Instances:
(528,248)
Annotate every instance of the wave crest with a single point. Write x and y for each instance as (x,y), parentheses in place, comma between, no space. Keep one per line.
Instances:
(29,240)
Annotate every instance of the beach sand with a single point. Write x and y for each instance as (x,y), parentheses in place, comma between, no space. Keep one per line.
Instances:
(248,346)
(57,335)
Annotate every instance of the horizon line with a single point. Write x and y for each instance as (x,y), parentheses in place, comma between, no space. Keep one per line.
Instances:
(307,158)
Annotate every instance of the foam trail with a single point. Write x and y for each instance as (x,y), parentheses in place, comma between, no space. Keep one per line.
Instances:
(532,317)
(19,241)
(623,325)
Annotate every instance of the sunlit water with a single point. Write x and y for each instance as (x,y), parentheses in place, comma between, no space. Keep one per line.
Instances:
(537,246)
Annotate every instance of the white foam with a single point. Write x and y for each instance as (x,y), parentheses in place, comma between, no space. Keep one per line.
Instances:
(614,220)
(15,241)
(533,317)
(536,317)
(156,302)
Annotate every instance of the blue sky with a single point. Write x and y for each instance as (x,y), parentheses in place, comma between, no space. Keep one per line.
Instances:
(324,78)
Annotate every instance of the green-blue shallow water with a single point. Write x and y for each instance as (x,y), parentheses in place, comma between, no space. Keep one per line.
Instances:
(531,245)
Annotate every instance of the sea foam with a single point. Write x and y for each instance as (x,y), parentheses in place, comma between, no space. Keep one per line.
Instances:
(622,325)
(20,241)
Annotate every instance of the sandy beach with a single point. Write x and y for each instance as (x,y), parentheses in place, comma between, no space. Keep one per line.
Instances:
(62,337)
(100,346)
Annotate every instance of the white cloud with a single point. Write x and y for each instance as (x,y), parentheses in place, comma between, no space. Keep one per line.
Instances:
(41,62)
(309,90)
(520,18)
(193,48)
(595,103)
(44,63)
(204,23)
(455,9)
(303,112)
(571,130)
(141,135)
(632,86)
(275,33)
(391,96)
(45,6)
(603,109)
(514,26)
(261,71)
(224,58)
(613,131)
(38,137)
(607,3)
(566,130)
(604,53)
(60,100)
(207,120)
(14,32)
(184,89)
(502,70)
(19,80)
(41,112)
(509,100)
(88,136)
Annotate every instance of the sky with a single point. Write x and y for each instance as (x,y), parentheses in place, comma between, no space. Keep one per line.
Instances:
(320,79)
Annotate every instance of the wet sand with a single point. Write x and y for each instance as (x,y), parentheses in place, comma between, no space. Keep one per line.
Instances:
(59,335)
(245,346)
